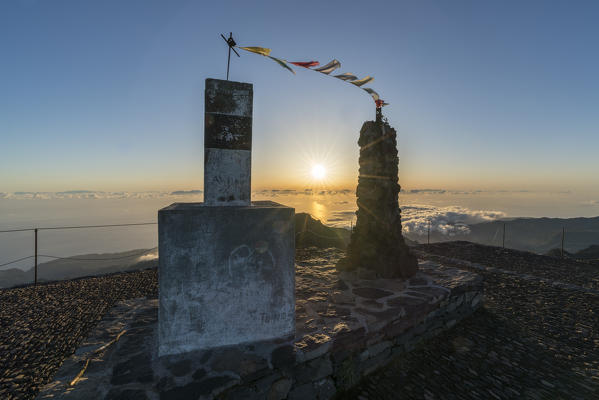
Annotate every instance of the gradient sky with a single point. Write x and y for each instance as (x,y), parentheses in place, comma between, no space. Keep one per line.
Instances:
(108,95)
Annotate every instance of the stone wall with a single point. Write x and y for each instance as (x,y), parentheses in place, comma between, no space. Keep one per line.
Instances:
(328,368)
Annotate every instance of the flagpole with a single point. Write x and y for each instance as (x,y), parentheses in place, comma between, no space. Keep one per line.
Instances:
(229,58)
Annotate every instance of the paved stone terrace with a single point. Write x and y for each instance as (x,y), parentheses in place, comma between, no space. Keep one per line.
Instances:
(346,326)
(532,339)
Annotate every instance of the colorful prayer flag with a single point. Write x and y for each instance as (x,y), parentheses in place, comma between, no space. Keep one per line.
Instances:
(305,64)
(346,77)
(330,67)
(375,95)
(362,81)
(380,103)
(282,63)
(258,50)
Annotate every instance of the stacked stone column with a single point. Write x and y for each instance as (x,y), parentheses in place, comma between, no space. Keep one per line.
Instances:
(377,243)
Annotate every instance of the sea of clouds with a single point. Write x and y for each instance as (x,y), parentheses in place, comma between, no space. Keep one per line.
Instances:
(448,220)
(93,194)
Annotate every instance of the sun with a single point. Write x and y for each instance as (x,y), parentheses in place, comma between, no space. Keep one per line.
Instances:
(318,172)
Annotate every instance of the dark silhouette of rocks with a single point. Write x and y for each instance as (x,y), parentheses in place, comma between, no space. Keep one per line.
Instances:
(311,232)
(377,243)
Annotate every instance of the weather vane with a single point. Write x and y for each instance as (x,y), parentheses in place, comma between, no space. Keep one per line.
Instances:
(231,44)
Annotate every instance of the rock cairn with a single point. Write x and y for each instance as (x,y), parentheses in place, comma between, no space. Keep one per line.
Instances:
(377,245)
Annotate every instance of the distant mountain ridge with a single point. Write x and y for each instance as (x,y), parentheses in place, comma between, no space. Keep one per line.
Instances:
(538,235)
(80,266)
(591,253)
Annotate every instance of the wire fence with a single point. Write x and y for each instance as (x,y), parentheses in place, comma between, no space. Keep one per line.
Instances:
(36,255)
(503,235)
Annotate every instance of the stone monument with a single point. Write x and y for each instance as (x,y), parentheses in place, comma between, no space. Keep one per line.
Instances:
(377,244)
(226,266)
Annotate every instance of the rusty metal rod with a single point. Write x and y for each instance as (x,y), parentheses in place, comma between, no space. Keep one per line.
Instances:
(35,279)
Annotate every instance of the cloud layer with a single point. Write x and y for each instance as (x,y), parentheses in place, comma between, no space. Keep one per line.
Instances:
(449,220)
(91,194)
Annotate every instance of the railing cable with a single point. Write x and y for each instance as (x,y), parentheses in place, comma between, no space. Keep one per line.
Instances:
(77,227)
(99,259)
(12,262)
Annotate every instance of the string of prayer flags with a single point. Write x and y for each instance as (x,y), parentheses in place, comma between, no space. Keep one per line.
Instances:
(263,51)
(330,67)
(325,69)
(305,64)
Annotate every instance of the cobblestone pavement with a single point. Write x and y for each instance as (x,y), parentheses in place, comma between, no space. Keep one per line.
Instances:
(584,274)
(531,340)
(41,326)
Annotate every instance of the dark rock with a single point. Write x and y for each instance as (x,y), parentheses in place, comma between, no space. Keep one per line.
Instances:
(364,273)
(131,343)
(239,362)
(180,368)
(341,285)
(316,369)
(371,293)
(302,392)
(126,394)
(164,383)
(263,385)
(325,389)
(311,232)
(390,313)
(196,389)
(243,393)
(376,242)
(279,389)
(350,340)
(418,281)
(283,356)
(137,368)
(199,374)
(206,356)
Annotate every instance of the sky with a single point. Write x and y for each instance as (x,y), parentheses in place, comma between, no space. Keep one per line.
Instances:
(484,95)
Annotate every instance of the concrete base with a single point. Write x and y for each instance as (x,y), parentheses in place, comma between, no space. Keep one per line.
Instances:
(226,275)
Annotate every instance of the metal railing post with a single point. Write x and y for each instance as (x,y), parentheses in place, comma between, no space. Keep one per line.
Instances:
(428,236)
(563,235)
(35,279)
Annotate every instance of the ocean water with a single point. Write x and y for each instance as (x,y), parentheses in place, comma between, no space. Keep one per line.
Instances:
(334,208)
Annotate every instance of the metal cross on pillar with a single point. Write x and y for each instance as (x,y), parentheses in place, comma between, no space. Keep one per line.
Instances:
(231,44)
